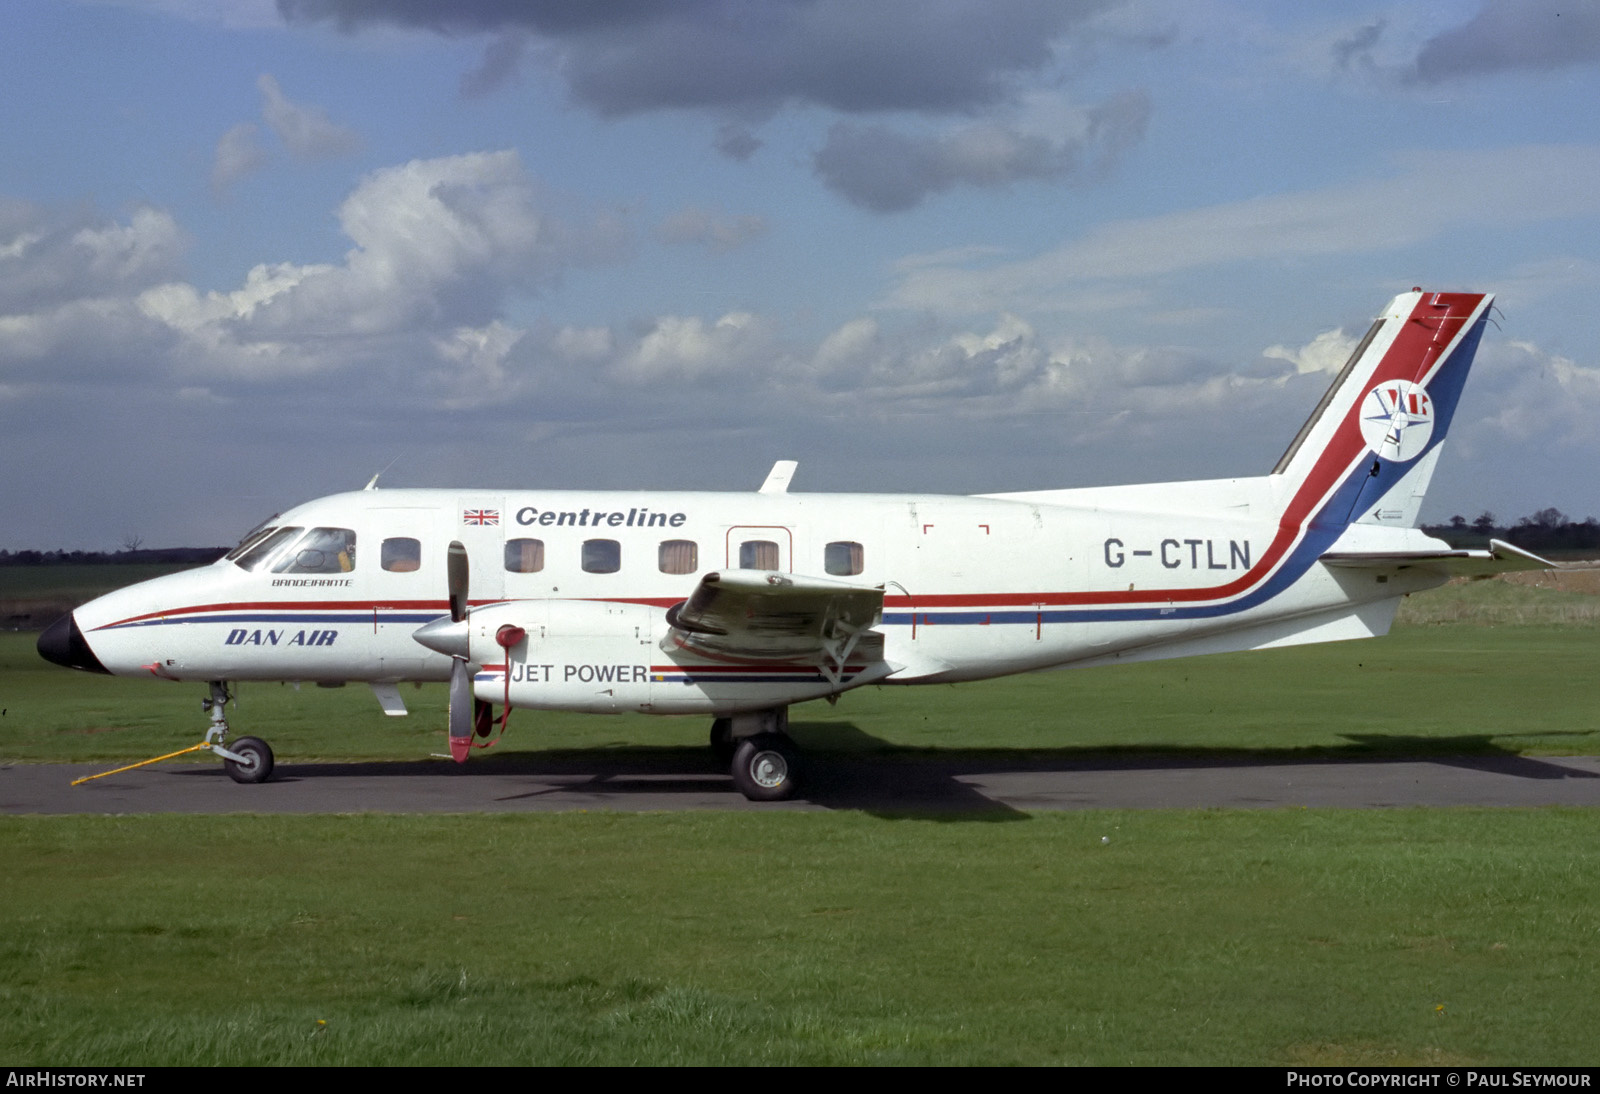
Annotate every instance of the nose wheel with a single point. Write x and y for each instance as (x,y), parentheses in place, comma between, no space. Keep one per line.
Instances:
(254,763)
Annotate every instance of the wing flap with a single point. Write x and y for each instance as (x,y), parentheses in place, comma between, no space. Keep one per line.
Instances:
(757,613)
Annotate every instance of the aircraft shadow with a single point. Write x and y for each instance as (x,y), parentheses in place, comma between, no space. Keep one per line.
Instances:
(848,769)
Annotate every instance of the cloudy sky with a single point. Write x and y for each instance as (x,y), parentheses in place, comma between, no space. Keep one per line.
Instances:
(252,252)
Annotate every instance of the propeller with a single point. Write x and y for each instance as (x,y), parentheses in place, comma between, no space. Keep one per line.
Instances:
(454,637)
(457,575)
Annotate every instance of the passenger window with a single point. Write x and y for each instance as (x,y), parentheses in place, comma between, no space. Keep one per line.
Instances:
(602,556)
(679,556)
(321,551)
(401,555)
(524,556)
(263,551)
(844,558)
(758,554)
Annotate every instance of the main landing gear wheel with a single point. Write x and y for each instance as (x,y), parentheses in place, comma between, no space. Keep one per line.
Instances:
(257,765)
(764,767)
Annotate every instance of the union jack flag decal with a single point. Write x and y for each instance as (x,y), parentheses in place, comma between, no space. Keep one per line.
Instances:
(480,516)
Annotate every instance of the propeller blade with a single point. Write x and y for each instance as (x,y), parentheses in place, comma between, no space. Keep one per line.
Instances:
(456,570)
(460,710)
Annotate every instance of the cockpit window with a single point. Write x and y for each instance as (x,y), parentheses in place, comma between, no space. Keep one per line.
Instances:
(260,549)
(321,551)
(252,537)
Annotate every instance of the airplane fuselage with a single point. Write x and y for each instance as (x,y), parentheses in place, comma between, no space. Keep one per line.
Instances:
(975,587)
(739,605)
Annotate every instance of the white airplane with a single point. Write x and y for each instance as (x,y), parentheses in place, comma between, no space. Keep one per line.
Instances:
(737,605)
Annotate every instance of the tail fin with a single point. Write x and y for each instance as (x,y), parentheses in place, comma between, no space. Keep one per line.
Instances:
(1368,450)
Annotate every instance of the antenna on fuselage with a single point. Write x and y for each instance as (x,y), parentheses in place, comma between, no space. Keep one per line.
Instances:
(372,483)
(778,478)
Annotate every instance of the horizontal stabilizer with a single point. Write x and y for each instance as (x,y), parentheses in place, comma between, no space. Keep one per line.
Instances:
(1500,557)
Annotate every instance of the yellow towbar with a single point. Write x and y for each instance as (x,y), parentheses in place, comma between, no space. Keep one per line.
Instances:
(143,763)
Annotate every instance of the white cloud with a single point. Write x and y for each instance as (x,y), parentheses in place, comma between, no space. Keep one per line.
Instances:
(238,154)
(1007,369)
(439,245)
(305,130)
(417,305)
(1533,397)
(1431,194)
(687,348)
(148,244)
(412,327)
(852,345)
(1327,352)
(19,244)
(476,361)
(53,262)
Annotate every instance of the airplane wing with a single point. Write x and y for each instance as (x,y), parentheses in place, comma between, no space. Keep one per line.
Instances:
(1498,558)
(756,613)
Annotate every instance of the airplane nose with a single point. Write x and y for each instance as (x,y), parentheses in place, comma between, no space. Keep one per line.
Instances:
(63,643)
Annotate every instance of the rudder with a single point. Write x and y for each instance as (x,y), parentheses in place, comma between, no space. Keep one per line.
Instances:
(1367,452)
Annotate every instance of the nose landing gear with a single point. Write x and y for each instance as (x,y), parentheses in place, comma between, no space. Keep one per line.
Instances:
(249,759)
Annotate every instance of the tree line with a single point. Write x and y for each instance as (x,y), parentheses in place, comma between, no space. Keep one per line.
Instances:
(1547,530)
(194,556)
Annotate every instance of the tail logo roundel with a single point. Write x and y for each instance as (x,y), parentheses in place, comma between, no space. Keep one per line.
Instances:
(1397,420)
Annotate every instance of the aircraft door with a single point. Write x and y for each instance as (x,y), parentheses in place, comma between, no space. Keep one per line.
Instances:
(759,547)
(402,564)
(478,523)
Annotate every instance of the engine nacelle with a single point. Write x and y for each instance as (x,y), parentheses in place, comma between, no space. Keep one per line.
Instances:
(589,655)
(606,657)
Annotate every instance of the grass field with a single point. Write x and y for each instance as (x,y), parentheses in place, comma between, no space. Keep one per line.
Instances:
(79,582)
(1260,937)
(1311,937)
(31,597)
(1422,690)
